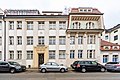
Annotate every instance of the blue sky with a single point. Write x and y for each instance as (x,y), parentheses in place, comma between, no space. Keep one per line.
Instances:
(110,8)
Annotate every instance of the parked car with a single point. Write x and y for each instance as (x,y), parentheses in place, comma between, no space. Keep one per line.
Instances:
(17,64)
(112,66)
(6,66)
(52,66)
(84,66)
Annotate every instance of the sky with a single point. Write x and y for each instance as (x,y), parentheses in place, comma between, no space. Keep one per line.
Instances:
(110,8)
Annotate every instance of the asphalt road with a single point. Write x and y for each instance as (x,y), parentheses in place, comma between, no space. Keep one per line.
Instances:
(71,75)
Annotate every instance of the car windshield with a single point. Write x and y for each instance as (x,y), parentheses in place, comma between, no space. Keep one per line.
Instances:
(14,63)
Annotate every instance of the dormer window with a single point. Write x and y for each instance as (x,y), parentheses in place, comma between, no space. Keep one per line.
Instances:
(85,10)
(89,10)
(106,47)
(81,10)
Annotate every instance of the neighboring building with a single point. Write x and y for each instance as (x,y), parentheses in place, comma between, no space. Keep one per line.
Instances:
(109,52)
(2,38)
(112,34)
(33,38)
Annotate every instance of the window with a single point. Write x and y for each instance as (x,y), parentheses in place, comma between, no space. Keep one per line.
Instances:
(11,25)
(52,24)
(51,54)
(116,37)
(30,25)
(62,54)
(91,39)
(52,40)
(19,40)
(90,25)
(11,40)
(80,39)
(19,54)
(11,54)
(41,25)
(41,40)
(0,25)
(105,58)
(19,24)
(0,55)
(80,52)
(29,54)
(62,40)
(62,24)
(0,40)
(115,58)
(30,40)
(72,40)
(90,54)
(106,37)
(76,25)
(115,31)
(72,54)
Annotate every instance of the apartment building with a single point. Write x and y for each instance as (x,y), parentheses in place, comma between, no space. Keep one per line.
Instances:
(112,34)
(33,38)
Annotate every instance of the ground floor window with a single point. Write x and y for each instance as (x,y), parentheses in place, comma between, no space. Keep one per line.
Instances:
(80,53)
(11,54)
(62,54)
(105,58)
(52,54)
(19,54)
(29,54)
(115,58)
(72,54)
(90,54)
(0,55)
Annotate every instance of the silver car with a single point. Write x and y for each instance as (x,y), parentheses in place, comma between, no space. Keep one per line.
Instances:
(112,66)
(52,66)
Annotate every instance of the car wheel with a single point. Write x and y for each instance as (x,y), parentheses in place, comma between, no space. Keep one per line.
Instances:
(43,70)
(12,70)
(83,70)
(103,70)
(62,70)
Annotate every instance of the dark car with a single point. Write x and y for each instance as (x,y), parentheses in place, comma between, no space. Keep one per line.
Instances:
(6,66)
(15,63)
(84,66)
(112,66)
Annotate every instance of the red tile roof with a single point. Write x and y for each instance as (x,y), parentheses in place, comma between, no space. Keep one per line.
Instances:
(106,43)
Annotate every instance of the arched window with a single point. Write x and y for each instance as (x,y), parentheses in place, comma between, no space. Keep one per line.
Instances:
(90,25)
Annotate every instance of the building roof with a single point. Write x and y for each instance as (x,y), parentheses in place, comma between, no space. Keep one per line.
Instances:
(113,28)
(89,10)
(106,43)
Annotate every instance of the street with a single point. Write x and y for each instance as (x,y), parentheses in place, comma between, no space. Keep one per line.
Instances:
(71,75)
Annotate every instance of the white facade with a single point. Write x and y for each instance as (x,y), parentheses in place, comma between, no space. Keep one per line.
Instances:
(66,38)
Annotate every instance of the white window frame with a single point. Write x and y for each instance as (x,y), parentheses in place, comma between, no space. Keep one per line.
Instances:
(19,40)
(11,40)
(52,54)
(19,55)
(72,40)
(62,54)
(29,55)
(11,55)
(80,54)
(41,25)
(11,25)
(72,54)
(62,24)
(30,25)
(19,24)
(52,40)
(80,39)
(41,40)
(91,54)
(62,40)
(30,40)
(52,24)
